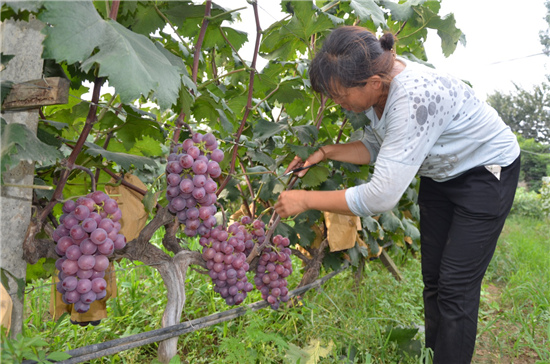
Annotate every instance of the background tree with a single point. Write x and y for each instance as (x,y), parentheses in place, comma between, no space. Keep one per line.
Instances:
(528,114)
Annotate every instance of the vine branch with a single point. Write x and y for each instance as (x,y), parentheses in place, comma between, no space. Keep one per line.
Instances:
(250,92)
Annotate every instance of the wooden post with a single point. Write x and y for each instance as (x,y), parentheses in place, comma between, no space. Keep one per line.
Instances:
(390,265)
(24,41)
(36,93)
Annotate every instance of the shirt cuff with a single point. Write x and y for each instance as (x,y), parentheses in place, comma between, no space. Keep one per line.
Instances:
(355,204)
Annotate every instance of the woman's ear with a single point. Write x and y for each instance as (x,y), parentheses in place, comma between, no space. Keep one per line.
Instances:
(375,82)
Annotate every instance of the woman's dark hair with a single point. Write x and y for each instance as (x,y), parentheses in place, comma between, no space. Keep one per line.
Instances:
(350,56)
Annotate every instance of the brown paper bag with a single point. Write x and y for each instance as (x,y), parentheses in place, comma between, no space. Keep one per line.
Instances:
(341,230)
(98,309)
(6,306)
(134,216)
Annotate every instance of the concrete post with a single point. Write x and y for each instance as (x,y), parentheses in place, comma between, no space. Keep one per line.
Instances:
(24,41)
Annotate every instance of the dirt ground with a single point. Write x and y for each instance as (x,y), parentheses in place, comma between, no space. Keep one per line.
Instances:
(492,346)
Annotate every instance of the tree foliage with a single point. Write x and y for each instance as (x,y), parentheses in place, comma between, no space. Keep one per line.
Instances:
(526,112)
(177,63)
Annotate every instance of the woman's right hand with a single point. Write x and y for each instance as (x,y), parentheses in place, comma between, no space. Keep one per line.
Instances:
(297,162)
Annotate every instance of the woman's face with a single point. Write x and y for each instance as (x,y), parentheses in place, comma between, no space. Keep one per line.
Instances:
(360,98)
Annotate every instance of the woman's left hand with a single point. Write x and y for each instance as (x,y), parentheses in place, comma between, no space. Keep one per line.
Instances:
(291,203)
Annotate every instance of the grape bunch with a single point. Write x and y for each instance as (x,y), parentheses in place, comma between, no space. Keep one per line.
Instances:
(191,189)
(87,234)
(273,268)
(225,259)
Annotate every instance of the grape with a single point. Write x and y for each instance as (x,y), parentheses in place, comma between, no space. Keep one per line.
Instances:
(173,179)
(107,225)
(110,206)
(100,296)
(99,285)
(217,155)
(117,215)
(99,197)
(197,137)
(85,262)
(59,287)
(200,167)
(98,236)
(81,307)
(69,206)
(69,283)
(214,169)
(73,252)
(96,274)
(199,193)
(84,273)
(77,232)
(58,263)
(186,185)
(119,242)
(88,297)
(81,212)
(64,243)
(199,180)
(274,266)
(84,286)
(69,267)
(72,296)
(70,221)
(89,224)
(189,187)
(178,203)
(101,263)
(107,248)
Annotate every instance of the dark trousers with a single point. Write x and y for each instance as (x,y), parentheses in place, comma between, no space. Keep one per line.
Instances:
(460,222)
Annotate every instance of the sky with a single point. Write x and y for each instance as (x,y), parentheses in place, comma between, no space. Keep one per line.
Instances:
(500,35)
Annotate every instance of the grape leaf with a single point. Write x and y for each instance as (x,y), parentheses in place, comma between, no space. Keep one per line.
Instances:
(357,120)
(131,61)
(286,230)
(5,88)
(266,129)
(32,6)
(367,10)
(135,66)
(301,151)
(19,143)
(76,29)
(390,222)
(306,133)
(410,229)
(371,224)
(401,12)
(262,158)
(126,161)
(307,21)
(145,21)
(315,176)
(306,234)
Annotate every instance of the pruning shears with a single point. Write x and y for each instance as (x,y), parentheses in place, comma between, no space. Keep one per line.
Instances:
(298,169)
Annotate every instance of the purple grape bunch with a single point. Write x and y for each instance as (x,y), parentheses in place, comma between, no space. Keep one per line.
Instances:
(191,188)
(88,232)
(224,253)
(273,269)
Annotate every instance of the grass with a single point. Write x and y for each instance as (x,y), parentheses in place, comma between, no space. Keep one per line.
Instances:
(338,323)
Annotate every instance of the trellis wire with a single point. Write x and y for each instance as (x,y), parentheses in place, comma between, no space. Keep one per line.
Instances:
(112,347)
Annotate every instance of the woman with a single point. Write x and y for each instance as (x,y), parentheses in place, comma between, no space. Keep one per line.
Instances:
(432,124)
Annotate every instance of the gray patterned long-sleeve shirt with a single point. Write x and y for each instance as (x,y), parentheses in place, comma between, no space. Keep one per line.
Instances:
(433,125)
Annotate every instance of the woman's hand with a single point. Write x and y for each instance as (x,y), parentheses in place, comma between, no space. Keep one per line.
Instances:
(291,203)
(315,157)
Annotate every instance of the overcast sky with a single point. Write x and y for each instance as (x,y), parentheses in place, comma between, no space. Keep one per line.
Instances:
(503,31)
